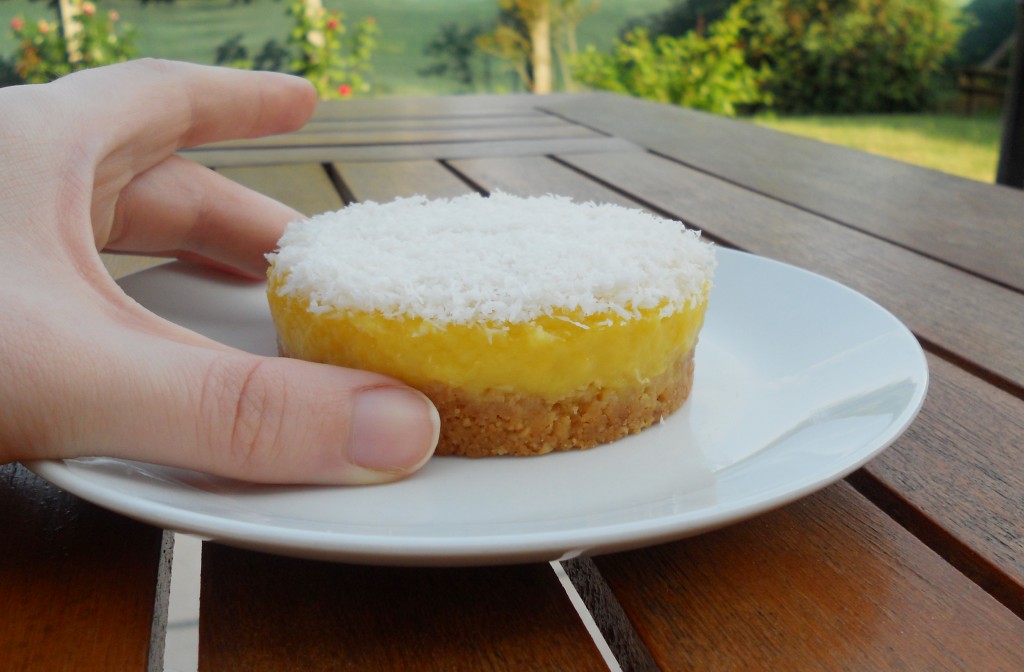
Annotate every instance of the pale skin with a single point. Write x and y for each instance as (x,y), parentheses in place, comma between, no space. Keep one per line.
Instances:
(88,163)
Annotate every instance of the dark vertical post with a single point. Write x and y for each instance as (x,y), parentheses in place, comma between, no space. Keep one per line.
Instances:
(1011,151)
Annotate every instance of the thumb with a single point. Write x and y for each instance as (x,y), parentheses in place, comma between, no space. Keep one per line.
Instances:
(287,421)
(228,413)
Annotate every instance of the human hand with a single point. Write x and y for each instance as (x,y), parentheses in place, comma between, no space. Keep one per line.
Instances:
(88,164)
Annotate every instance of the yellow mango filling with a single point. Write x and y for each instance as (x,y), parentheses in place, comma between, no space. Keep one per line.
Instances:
(551,356)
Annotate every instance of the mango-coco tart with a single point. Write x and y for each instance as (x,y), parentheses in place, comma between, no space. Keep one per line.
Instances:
(533,324)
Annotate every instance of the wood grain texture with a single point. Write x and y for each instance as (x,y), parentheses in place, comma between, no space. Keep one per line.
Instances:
(385,181)
(972,225)
(531,119)
(77,583)
(260,612)
(305,187)
(827,583)
(956,479)
(536,176)
(978,320)
(342,135)
(223,158)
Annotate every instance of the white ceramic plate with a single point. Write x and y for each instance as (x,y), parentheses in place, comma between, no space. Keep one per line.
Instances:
(799,381)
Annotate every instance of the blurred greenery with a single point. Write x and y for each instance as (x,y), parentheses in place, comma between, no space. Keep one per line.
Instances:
(681,17)
(191,30)
(992,24)
(852,56)
(705,71)
(964,146)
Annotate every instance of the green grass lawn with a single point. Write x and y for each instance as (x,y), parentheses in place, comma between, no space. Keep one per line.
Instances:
(965,146)
(190,30)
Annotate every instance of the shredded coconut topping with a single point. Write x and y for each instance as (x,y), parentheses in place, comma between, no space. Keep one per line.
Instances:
(500,259)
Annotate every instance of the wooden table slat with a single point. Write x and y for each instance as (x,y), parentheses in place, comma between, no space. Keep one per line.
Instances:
(959,474)
(828,583)
(535,176)
(262,612)
(524,120)
(385,181)
(923,209)
(305,187)
(77,583)
(223,158)
(345,137)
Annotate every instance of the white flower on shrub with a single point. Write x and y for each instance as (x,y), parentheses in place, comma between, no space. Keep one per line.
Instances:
(316,38)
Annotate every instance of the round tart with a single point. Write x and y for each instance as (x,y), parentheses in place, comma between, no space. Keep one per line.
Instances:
(533,324)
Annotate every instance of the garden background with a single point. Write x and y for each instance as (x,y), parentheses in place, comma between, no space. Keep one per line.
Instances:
(408,39)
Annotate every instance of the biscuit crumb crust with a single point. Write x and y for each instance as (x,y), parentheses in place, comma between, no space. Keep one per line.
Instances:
(508,423)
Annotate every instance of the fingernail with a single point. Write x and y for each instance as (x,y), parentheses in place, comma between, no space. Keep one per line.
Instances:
(394,429)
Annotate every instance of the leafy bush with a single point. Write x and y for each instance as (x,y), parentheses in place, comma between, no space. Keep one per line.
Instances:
(708,73)
(337,64)
(680,18)
(233,53)
(9,73)
(44,54)
(454,54)
(850,55)
(993,22)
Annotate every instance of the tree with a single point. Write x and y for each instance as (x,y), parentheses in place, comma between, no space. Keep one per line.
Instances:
(536,15)
(680,18)
(991,27)
(68,11)
(851,56)
(569,15)
(530,32)
(707,72)
(454,53)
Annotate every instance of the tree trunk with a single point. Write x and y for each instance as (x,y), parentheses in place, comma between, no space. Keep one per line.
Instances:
(540,48)
(67,11)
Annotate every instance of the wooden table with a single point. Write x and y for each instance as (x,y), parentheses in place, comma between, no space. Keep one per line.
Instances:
(914,562)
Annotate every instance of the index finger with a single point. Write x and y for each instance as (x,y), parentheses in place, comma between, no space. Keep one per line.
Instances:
(163,106)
